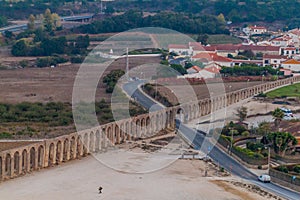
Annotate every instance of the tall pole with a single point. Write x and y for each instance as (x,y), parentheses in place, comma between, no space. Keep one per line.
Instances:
(127,64)
(269,159)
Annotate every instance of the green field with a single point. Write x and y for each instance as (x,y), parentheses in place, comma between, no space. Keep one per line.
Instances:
(223,39)
(287,91)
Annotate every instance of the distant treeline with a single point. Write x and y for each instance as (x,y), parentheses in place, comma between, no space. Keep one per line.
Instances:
(176,21)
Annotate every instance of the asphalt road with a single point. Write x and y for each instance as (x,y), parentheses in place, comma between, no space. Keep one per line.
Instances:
(231,165)
(196,140)
(131,89)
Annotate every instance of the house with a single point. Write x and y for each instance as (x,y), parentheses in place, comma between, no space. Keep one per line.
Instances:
(286,72)
(289,51)
(208,58)
(205,73)
(295,35)
(273,60)
(257,30)
(193,70)
(292,64)
(282,41)
(180,49)
(224,49)
(271,50)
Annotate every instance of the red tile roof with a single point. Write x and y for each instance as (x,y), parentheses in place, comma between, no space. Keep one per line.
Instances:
(260,48)
(258,27)
(291,62)
(266,56)
(211,57)
(212,69)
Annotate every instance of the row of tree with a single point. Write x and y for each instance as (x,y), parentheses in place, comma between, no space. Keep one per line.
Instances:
(176,21)
(43,45)
(249,70)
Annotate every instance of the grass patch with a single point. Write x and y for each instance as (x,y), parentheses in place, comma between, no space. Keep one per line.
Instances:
(223,39)
(287,91)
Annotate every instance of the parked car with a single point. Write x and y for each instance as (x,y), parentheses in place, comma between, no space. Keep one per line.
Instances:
(288,115)
(264,178)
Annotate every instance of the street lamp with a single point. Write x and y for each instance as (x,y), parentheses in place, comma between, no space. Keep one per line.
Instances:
(248,82)
(262,78)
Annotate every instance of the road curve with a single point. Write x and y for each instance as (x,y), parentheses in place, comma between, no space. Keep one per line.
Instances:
(196,140)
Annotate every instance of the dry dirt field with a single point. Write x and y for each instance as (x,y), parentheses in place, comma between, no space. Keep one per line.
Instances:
(51,84)
(80,180)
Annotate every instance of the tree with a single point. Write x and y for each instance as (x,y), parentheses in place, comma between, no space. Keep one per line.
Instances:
(278,116)
(48,21)
(281,141)
(179,69)
(31,22)
(20,48)
(56,21)
(241,113)
(203,38)
(221,18)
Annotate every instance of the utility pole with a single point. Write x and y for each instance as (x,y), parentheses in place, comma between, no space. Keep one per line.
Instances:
(127,64)
(269,159)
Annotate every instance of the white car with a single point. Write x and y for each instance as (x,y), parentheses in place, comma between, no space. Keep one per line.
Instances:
(264,178)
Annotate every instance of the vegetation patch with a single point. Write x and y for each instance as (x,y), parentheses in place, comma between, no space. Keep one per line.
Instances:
(288,91)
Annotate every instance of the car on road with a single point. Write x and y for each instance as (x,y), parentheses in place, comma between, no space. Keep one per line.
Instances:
(288,115)
(264,178)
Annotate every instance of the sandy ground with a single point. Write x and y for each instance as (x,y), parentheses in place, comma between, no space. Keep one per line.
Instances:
(79,180)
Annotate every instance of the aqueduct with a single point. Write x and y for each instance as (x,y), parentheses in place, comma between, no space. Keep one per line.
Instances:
(19,161)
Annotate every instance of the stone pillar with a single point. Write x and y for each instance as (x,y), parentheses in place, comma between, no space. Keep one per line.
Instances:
(12,166)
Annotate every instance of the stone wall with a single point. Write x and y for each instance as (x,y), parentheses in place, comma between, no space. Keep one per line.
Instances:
(19,161)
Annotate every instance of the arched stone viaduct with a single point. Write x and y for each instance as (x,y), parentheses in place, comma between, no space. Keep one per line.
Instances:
(50,152)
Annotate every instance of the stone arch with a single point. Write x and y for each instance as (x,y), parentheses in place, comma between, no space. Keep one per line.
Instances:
(17,163)
(137,128)
(148,125)
(109,133)
(73,148)
(116,135)
(8,164)
(1,173)
(24,165)
(92,142)
(180,114)
(59,152)
(51,155)
(79,146)
(85,144)
(98,141)
(66,150)
(32,162)
(41,152)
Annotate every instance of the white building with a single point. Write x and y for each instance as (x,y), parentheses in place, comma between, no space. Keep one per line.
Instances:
(273,60)
(292,64)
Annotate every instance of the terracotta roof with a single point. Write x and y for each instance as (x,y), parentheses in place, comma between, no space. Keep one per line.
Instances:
(266,56)
(211,57)
(178,46)
(291,62)
(289,48)
(196,68)
(212,69)
(258,27)
(259,48)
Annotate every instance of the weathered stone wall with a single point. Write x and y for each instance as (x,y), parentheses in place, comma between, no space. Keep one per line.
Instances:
(19,161)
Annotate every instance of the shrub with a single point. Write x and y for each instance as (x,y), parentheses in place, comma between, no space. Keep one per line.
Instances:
(245,133)
(297,169)
(283,169)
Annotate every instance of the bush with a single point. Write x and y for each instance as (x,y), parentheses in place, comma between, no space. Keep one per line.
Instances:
(245,133)
(283,169)
(297,169)
(77,59)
